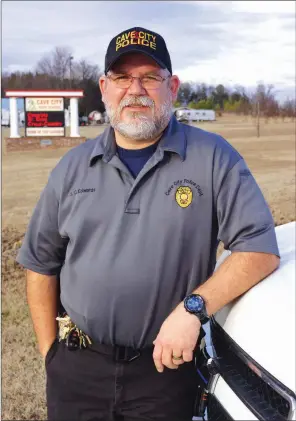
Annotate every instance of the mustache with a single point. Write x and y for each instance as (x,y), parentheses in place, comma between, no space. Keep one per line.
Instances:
(136,101)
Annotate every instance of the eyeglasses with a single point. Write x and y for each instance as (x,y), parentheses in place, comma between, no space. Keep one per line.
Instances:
(147,81)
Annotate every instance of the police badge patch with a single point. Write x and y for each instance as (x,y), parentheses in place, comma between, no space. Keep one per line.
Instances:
(184,196)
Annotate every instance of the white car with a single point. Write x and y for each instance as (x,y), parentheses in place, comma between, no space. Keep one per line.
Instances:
(249,374)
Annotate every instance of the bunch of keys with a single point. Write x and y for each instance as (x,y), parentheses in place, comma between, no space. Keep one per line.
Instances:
(71,334)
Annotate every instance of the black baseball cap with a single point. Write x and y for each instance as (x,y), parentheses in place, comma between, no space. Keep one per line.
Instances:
(139,40)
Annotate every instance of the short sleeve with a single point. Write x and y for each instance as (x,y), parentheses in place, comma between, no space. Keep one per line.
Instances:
(43,249)
(245,222)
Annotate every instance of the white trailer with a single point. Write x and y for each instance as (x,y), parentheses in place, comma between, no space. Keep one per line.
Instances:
(187,114)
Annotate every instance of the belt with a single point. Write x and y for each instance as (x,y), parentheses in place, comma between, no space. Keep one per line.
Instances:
(120,353)
(75,339)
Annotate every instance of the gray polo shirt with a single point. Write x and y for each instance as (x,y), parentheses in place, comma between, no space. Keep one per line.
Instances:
(129,250)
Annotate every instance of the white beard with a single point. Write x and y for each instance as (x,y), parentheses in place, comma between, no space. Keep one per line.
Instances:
(141,127)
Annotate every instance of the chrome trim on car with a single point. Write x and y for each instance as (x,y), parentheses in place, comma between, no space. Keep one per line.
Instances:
(212,383)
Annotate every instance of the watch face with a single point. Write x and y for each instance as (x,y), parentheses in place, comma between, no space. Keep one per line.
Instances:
(194,304)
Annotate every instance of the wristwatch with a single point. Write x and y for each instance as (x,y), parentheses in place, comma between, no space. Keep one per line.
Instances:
(195,304)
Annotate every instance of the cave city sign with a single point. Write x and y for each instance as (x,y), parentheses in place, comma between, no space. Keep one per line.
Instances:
(44,117)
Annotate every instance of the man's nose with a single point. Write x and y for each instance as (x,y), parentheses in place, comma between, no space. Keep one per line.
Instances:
(136,87)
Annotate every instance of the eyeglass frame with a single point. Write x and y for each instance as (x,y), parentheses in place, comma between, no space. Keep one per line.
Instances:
(140,79)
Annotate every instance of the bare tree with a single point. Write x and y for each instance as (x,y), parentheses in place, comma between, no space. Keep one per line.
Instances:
(85,71)
(184,93)
(265,96)
(288,109)
(219,95)
(56,65)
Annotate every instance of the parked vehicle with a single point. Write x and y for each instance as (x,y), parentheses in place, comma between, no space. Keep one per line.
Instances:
(250,372)
(189,115)
(22,118)
(5,117)
(95,117)
(83,121)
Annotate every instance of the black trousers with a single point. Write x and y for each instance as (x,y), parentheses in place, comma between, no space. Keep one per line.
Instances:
(88,385)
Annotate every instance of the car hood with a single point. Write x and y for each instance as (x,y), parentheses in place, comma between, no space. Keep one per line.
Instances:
(262,321)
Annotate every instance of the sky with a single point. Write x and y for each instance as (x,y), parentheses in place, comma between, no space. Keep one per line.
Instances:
(228,42)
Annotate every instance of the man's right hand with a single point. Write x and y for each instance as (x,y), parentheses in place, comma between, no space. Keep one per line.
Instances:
(45,348)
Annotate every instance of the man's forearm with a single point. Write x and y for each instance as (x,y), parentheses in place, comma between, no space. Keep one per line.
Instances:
(238,273)
(42,301)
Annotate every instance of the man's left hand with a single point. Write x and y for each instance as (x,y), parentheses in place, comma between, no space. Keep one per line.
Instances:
(177,338)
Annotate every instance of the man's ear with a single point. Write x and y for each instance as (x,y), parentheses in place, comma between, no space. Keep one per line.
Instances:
(174,86)
(102,84)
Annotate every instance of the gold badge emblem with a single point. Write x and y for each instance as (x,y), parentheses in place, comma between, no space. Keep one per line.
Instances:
(184,196)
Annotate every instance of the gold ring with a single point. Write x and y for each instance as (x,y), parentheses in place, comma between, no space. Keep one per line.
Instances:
(177,358)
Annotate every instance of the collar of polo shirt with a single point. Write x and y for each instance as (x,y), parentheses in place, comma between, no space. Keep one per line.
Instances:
(172,140)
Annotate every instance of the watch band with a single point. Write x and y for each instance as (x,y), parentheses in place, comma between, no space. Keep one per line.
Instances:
(203,318)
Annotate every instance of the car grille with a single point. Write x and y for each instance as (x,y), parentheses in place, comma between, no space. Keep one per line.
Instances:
(216,412)
(262,399)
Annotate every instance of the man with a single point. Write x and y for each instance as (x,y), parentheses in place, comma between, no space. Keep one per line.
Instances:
(130,221)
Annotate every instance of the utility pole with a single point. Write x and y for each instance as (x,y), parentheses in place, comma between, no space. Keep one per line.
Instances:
(258,117)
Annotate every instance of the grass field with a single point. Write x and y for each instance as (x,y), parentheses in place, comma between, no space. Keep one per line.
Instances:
(270,157)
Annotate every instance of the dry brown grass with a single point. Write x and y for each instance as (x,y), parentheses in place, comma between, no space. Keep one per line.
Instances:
(271,159)
(23,381)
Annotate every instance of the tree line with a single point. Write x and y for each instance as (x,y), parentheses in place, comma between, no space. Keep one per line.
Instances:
(58,70)
(236,100)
